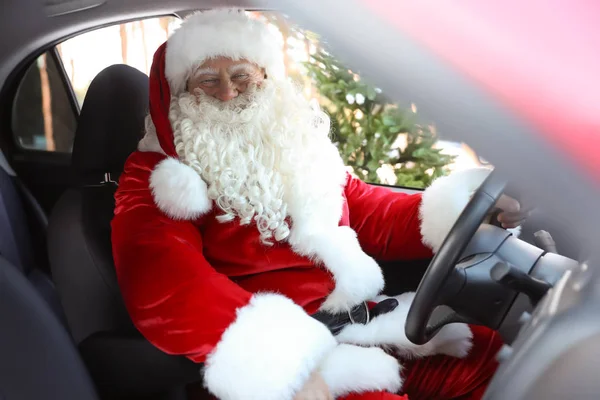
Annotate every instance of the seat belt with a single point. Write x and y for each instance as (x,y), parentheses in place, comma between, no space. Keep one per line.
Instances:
(14,236)
(4,165)
(9,248)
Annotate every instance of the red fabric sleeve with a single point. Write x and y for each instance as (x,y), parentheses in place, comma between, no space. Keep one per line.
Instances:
(174,297)
(182,305)
(387,223)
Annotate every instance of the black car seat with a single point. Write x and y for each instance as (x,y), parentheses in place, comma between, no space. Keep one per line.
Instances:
(19,213)
(121,362)
(38,360)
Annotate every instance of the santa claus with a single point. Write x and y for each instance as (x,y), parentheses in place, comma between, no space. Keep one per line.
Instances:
(241,242)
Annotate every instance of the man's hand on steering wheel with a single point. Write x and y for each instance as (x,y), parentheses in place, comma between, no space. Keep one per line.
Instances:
(509,213)
(488,200)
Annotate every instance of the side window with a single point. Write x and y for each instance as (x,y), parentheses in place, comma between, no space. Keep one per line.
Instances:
(380,142)
(53,89)
(132,43)
(43,116)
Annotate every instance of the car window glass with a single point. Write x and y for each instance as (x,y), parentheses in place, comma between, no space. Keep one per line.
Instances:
(380,142)
(53,88)
(132,43)
(43,116)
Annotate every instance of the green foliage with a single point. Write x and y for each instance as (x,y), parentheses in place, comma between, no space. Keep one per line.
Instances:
(370,131)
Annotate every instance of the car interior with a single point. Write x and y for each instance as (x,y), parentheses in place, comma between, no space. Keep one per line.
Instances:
(65,332)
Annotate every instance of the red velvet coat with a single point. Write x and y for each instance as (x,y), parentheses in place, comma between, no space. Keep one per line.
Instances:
(184,280)
(213,292)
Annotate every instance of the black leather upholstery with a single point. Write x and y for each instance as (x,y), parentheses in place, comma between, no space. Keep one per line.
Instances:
(111,121)
(16,240)
(82,265)
(121,362)
(110,125)
(38,359)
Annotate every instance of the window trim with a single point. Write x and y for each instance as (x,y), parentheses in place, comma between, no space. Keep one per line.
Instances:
(19,151)
(404,189)
(66,81)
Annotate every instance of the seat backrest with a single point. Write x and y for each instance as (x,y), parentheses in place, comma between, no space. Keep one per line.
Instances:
(15,238)
(79,236)
(37,357)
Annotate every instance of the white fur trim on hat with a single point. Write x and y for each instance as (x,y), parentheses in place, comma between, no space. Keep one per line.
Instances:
(221,32)
(444,201)
(178,190)
(268,352)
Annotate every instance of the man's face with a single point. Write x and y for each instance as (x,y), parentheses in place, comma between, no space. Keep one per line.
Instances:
(224,78)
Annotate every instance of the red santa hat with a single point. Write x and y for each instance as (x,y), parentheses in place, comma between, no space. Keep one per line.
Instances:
(228,33)
(215,33)
(224,32)
(160,100)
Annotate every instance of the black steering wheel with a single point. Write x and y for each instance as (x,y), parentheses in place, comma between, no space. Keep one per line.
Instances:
(421,326)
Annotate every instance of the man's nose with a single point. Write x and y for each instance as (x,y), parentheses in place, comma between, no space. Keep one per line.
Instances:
(227,91)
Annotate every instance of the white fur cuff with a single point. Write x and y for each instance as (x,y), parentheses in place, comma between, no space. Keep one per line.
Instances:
(444,201)
(179,191)
(357,369)
(387,330)
(357,276)
(268,353)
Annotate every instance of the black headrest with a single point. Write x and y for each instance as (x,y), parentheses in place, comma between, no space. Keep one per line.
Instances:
(111,121)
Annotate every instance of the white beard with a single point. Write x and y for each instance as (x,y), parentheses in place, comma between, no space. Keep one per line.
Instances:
(266,157)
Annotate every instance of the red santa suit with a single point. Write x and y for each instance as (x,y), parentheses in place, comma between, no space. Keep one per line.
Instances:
(212,290)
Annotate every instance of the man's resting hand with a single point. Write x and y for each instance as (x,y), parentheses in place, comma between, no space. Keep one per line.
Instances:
(314,389)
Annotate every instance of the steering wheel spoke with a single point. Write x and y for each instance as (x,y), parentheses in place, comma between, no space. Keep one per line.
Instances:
(441,315)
